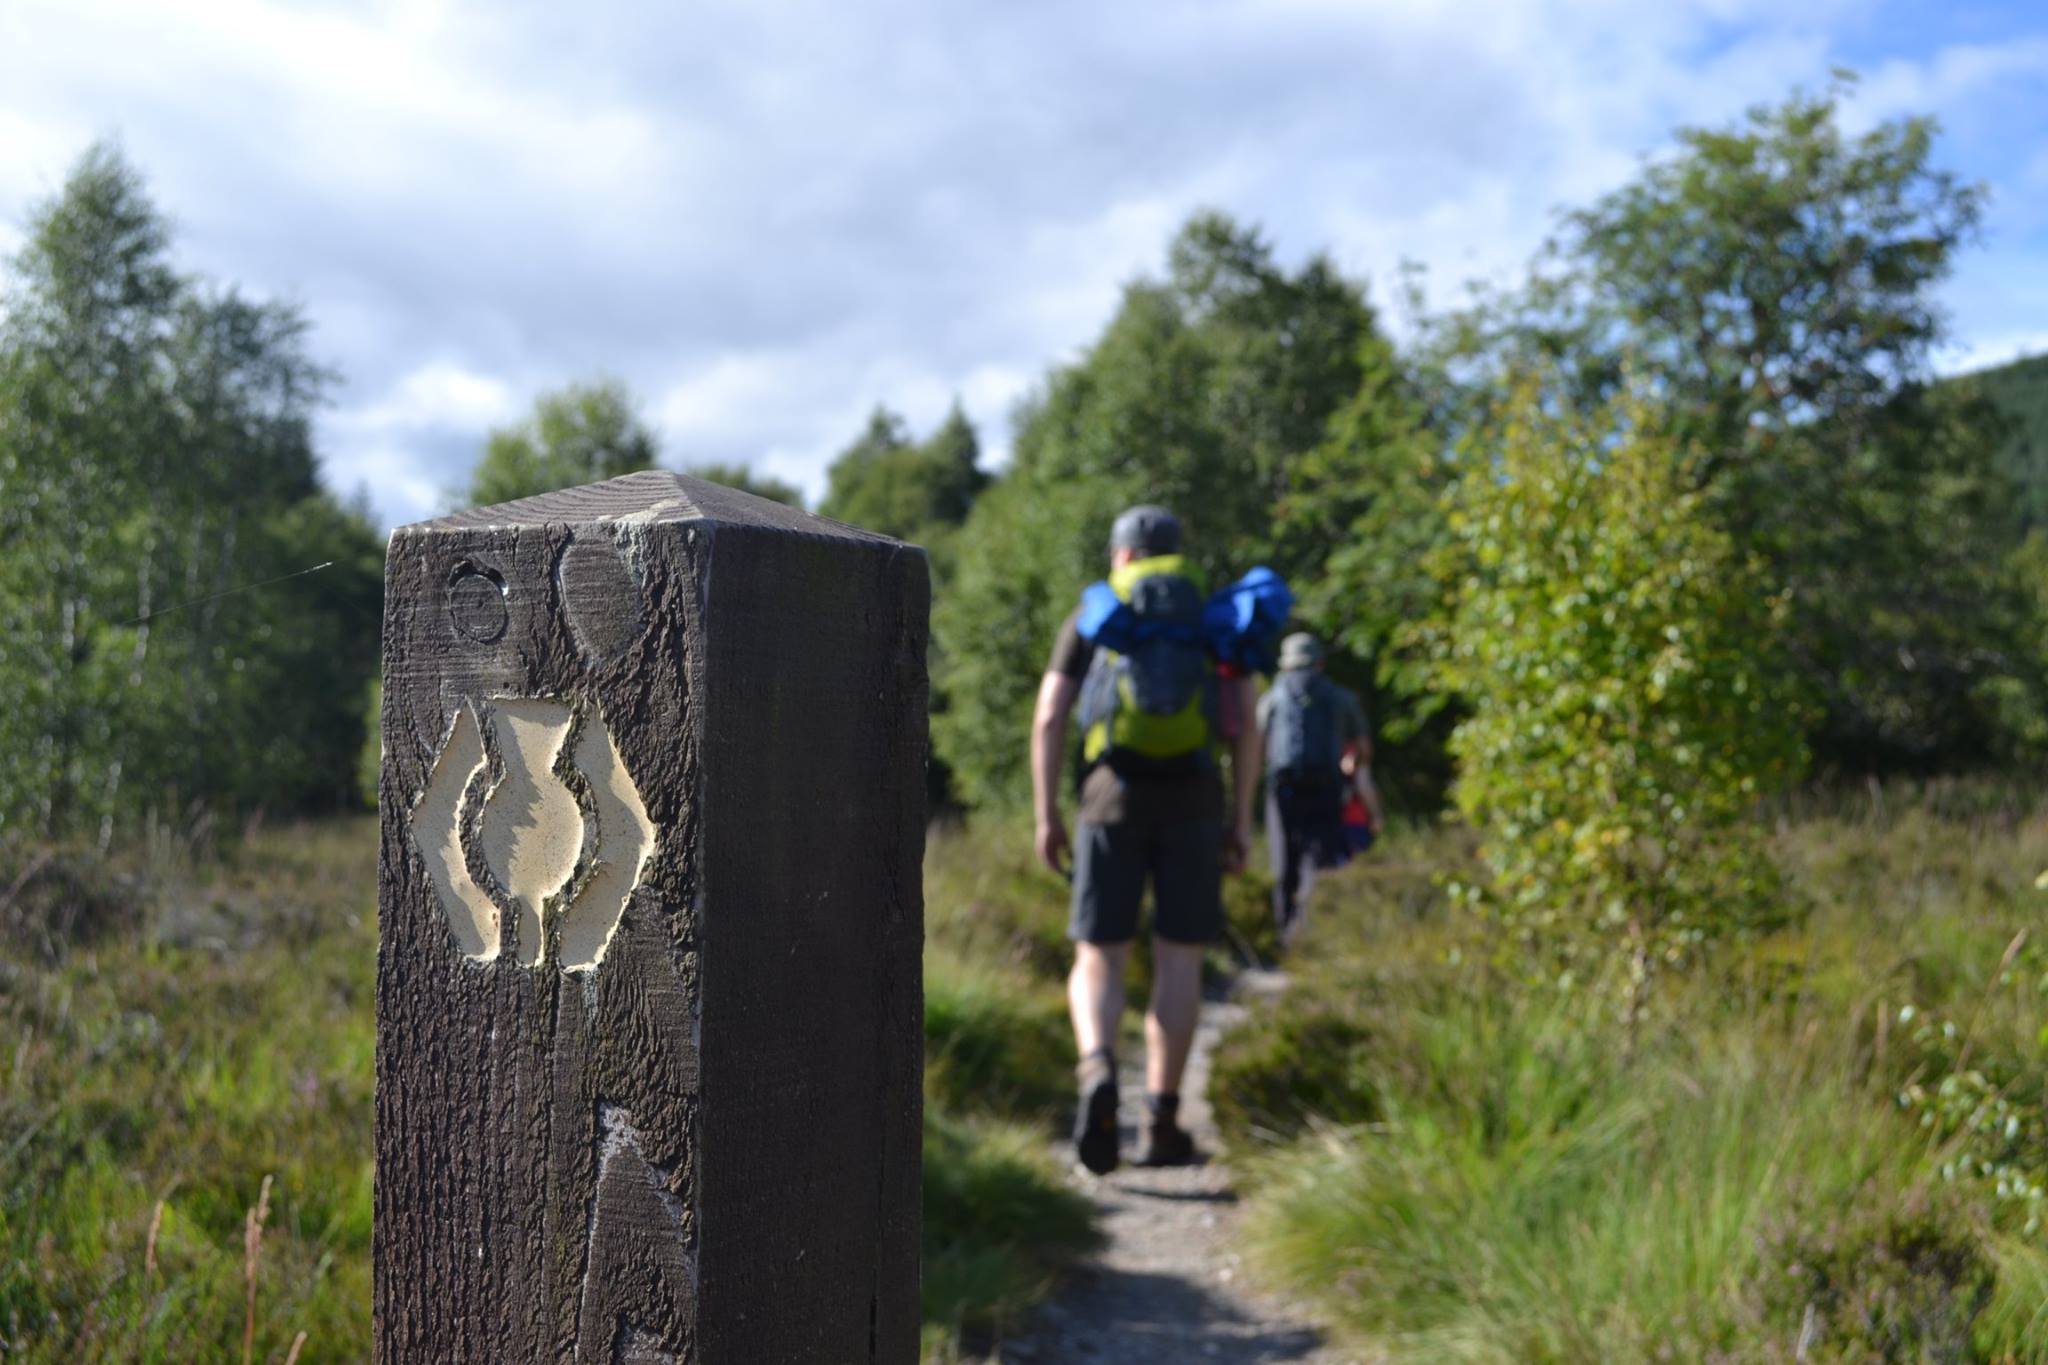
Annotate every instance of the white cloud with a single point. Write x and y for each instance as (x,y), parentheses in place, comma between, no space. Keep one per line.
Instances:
(1945,78)
(438,394)
(410,444)
(767,219)
(1997,349)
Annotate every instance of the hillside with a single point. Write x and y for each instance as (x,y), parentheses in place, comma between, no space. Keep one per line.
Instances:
(2019,390)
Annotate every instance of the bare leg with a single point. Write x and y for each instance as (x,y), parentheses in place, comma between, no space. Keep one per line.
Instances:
(1095,994)
(1170,1024)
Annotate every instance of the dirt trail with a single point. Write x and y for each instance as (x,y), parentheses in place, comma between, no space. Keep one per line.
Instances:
(1168,1286)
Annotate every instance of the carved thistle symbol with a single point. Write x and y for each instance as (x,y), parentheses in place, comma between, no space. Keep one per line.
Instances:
(531,824)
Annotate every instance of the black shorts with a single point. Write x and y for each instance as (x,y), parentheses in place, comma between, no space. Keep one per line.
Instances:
(1112,863)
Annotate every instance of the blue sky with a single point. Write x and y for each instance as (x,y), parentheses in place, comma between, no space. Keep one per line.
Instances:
(767,218)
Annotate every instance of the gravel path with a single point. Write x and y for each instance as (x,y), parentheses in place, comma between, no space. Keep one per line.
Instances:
(1168,1286)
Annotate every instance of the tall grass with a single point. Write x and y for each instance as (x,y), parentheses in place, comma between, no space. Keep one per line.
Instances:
(220,1029)
(178,1028)
(1000,1217)
(1512,1183)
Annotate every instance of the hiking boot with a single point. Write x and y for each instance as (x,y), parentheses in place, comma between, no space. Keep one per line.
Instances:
(1166,1143)
(1095,1135)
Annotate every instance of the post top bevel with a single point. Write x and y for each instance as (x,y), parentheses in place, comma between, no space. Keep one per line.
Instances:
(650,497)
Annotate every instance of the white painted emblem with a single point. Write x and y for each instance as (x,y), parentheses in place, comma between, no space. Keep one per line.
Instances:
(528,832)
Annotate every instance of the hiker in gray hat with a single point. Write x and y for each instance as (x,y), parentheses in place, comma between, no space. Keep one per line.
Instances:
(1152,719)
(1318,748)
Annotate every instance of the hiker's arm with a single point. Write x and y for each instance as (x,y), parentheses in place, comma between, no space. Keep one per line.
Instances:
(1048,741)
(1247,759)
(1368,790)
(1358,758)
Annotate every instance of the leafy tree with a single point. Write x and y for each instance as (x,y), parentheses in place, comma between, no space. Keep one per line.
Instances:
(921,492)
(1622,663)
(156,474)
(1772,284)
(1205,391)
(578,434)
(747,481)
(914,491)
(2018,394)
(1361,517)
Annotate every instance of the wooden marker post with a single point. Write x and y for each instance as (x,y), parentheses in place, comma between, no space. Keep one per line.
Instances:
(649,1034)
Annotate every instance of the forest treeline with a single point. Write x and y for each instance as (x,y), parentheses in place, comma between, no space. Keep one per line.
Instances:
(156,460)
(1757,308)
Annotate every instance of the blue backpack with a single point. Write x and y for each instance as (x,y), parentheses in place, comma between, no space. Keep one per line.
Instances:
(1239,626)
(1149,700)
(1244,621)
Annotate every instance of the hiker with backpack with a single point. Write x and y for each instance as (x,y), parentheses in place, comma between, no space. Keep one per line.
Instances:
(1318,751)
(1158,669)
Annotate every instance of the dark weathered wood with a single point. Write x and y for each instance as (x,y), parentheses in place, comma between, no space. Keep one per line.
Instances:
(688,1131)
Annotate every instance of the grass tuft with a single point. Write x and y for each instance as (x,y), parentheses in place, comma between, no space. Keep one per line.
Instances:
(193,1019)
(1457,1170)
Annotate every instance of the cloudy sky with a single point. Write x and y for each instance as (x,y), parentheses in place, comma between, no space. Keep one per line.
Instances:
(768,217)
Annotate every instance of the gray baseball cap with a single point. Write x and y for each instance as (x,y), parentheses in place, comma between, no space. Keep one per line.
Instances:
(1148,529)
(1300,650)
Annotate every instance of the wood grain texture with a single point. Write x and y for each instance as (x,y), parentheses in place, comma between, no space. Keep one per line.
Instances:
(706,1147)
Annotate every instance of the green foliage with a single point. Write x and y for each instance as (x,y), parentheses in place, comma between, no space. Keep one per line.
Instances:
(999,1222)
(2018,393)
(585,433)
(225,1035)
(1577,1212)
(1773,284)
(987,900)
(1778,271)
(370,760)
(180,1027)
(1904,1282)
(1981,1095)
(1000,1218)
(747,481)
(1204,392)
(915,491)
(1736,1180)
(578,434)
(156,474)
(1360,519)
(1288,1066)
(1617,657)
(920,492)
(994,1040)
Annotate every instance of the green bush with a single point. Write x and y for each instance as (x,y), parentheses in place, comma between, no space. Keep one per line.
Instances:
(1626,712)
(1904,1282)
(1295,1063)
(993,1044)
(1001,1219)
(190,616)
(988,901)
(1539,1203)
(1734,1175)
(999,1223)
(179,1027)
(157,1076)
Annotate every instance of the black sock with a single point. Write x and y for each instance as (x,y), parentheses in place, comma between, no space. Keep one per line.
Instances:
(1164,1106)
